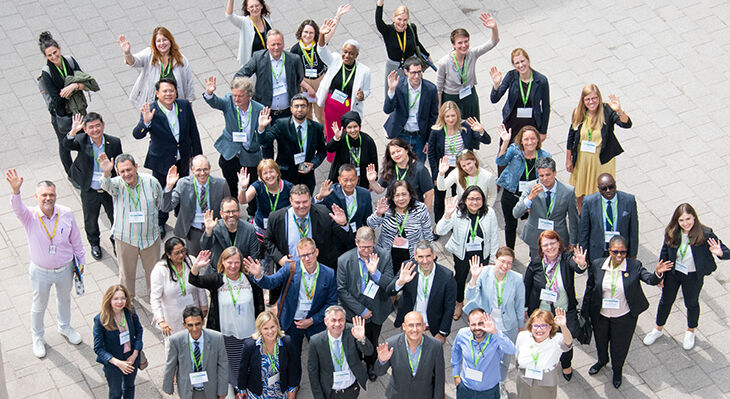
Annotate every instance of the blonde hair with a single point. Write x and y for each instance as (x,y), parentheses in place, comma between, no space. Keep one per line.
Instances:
(401,9)
(516,52)
(268,163)
(106,317)
(446,107)
(229,253)
(579,113)
(263,318)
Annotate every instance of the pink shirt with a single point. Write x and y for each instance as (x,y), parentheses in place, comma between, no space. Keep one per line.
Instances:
(623,306)
(67,239)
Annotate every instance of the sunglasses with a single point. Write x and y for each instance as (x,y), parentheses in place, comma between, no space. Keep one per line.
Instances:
(619,252)
(607,187)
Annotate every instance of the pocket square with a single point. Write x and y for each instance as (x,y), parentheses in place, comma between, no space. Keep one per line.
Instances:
(625,213)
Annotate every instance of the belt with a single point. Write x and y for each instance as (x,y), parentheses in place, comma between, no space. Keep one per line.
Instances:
(100,191)
(198,389)
(60,269)
(411,133)
(350,388)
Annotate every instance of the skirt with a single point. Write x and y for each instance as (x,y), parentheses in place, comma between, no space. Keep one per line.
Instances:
(469,105)
(333,111)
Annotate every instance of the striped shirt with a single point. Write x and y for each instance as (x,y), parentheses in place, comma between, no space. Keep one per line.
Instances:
(140,235)
(417,226)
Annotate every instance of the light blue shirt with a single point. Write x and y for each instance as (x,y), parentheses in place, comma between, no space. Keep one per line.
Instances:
(282,100)
(98,150)
(304,304)
(614,206)
(293,235)
(488,365)
(413,96)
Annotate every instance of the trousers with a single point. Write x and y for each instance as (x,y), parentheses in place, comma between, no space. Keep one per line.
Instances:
(41,281)
(127,255)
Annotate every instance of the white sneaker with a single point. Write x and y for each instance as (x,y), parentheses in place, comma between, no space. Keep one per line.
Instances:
(653,336)
(503,394)
(71,335)
(689,340)
(39,348)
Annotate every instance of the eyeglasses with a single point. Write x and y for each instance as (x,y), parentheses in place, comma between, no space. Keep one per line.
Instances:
(303,256)
(540,326)
(180,252)
(618,252)
(233,212)
(607,187)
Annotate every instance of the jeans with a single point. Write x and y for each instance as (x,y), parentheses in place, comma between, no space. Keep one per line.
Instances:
(417,143)
(41,280)
(462,392)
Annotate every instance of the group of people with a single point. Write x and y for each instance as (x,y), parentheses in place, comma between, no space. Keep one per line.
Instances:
(335,259)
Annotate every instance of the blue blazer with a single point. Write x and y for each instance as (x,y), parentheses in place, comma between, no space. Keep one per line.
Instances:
(225,144)
(364,203)
(593,224)
(106,343)
(290,368)
(539,97)
(437,149)
(163,148)
(325,294)
(397,107)
(483,295)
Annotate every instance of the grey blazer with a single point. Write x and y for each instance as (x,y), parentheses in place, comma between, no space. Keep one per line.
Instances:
(565,206)
(246,241)
(593,224)
(429,379)
(350,290)
(260,65)
(184,194)
(225,144)
(179,363)
(320,364)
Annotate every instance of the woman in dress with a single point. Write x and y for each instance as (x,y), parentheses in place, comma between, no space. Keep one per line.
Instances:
(401,163)
(355,148)
(467,173)
(270,192)
(254,25)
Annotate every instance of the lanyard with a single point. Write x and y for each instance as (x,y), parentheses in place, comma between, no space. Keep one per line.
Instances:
(550,281)
(402,45)
(476,180)
(500,291)
(310,293)
(302,233)
(412,104)
(586,122)
(164,111)
(614,277)
(240,127)
(346,81)
(131,199)
(367,275)
(50,236)
(308,57)
(230,290)
(165,70)
(351,208)
(96,155)
(418,359)
(180,278)
(303,138)
(402,224)
(359,149)
(682,248)
(63,72)
(339,359)
(197,363)
(528,171)
(473,229)
(478,356)
(123,322)
(263,42)
(274,204)
(273,358)
(552,204)
(451,141)
(605,216)
(202,201)
(526,96)
(461,71)
(281,67)
(534,355)
(425,282)
(398,175)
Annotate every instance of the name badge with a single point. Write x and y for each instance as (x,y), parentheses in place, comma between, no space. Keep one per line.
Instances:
(353,226)
(136,217)
(51,249)
(682,268)
(475,245)
(279,89)
(610,303)
(339,96)
(524,112)
(548,295)
(533,373)
(525,184)
(545,224)
(340,377)
(465,92)
(588,146)
(123,337)
(266,222)
(271,381)
(474,375)
(97,176)
(199,218)
(371,289)
(452,161)
(198,378)
(310,73)
(400,242)
(299,158)
(609,234)
(357,170)
(240,137)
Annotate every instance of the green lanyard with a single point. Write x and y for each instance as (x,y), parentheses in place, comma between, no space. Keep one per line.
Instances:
(310,292)
(238,293)
(180,278)
(500,291)
(462,71)
(550,281)
(526,96)
(63,72)
(273,358)
(473,229)
(367,275)
(552,204)
(346,81)
(605,216)
(528,171)
(683,249)
(402,224)
(412,104)
(476,180)
(240,127)
(398,175)
(96,155)
(202,201)
(308,57)
(478,356)
(131,199)
(590,132)
(451,141)
(351,208)
(164,111)
(123,322)
(281,67)
(339,359)
(165,71)
(614,277)
(197,363)
(425,282)
(274,204)
(418,359)
(302,233)
(534,355)
(359,149)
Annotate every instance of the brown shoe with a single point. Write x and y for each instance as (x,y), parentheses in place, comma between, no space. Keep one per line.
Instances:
(458,310)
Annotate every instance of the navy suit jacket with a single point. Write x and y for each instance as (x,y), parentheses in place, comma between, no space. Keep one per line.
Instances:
(539,97)
(260,65)
(437,149)
(163,148)
(325,295)
(593,224)
(82,170)
(364,203)
(397,107)
(283,131)
(106,343)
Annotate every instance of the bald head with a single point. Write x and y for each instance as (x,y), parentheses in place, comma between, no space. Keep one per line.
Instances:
(606,186)
(201,168)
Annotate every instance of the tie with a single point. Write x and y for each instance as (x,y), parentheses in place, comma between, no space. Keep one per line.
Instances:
(337,354)
(548,196)
(301,223)
(299,135)
(203,200)
(609,215)
(198,364)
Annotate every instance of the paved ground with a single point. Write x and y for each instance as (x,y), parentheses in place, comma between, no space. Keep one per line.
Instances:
(666,60)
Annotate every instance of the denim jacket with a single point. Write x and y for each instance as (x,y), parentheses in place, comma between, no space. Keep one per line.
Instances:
(513,159)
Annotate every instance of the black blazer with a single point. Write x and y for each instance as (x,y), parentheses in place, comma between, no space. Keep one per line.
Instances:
(610,147)
(290,367)
(436,148)
(320,364)
(535,281)
(703,258)
(212,282)
(364,203)
(539,97)
(593,224)
(397,108)
(368,155)
(246,241)
(632,278)
(163,146)
(441,300)
(82,170)
(283,131)
(331,239)
(260,64)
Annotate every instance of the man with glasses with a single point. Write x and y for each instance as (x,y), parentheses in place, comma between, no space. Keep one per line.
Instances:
(607,213)
(346,194)
(413,106)
(312,289)
(229,231)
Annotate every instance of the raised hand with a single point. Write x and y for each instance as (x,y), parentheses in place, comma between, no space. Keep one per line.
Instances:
(663,266)
(342,10)
(451,205)
(202,260)
(264,118)
(496,77)
(443,165)
(579,256)
(475,268)
(105,164)
(392,81)
(325,189)
(488,20)
(15,180)
(614,103)
(384,353)
(209,221)
(489,325)
(77,123)
(244,178)
(504,134)
(147,113)
(536,189)
(380,3)
(474,124)
(371,173)
(327,26)
(172,177)
(336,130)
(372,263)
(407,273)
(210,84)
(253,266)
(560,319)
(715,247)
(124,44)
(358,328)
(338,215)
(360,95)
(382,206)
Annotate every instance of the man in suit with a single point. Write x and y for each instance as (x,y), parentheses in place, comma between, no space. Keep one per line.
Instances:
(312,289)
(605,214)
(197,359)
(86,172)
(300,141)
(550,203)
(347,195)
(432,293)
(174,137)
(413,105)
(279,76)
(335,368)
(417,362)
(229,231)
(195,195)
(363,276)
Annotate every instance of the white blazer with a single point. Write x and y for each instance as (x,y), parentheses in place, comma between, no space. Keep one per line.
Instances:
(143,90)
(334,65)
(460,235)
(248,32)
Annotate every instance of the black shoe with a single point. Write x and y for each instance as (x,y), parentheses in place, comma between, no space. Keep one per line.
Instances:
(114,246)
(163,233)
(436,237)
(616,381)
(595,368)
(96,251)
(371,373)
(568,376)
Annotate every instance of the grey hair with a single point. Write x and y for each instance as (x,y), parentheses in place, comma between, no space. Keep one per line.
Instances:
(46,183)
(333,308)
(365,233)
(243,83)
(545,163)
(273,32)
(199,156)
(124,158)
(425,244)
(353,43)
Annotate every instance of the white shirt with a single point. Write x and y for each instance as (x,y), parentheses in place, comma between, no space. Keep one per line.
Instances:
(413,96)
(174,123)
(201,225)
(421,298)
(166,297)
(350,202)
(191,347)
(282,100)
(239,320)
(345,366)
(304,133)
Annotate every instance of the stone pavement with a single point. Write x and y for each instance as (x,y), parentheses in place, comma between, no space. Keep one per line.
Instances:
(666,60)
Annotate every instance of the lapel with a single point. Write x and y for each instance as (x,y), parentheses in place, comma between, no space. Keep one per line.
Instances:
(600,274)
(206,352)
(160,114)
(435,287)
(296,281)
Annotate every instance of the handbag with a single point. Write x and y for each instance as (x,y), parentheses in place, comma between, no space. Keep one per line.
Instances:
(143,363)
(419,54)
(276,309)
(579,326)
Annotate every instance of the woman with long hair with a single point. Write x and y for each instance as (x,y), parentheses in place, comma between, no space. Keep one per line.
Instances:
(254,24)
(401,163)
